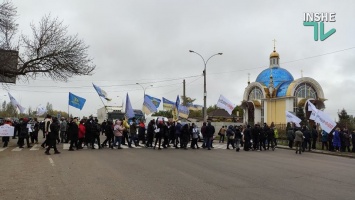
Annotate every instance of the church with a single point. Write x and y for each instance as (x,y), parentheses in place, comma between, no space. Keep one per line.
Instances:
(275,91)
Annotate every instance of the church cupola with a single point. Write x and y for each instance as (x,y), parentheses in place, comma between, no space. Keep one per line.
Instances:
(274,58)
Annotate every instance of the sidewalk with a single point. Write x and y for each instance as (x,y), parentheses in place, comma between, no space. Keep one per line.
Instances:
(342,154)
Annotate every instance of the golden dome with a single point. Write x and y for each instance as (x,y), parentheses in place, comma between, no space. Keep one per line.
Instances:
(274,54)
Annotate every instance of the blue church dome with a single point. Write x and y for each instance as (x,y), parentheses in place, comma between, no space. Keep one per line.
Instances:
(279,75)
(282,90)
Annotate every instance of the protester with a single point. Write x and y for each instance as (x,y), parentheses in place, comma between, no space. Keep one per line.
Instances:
(150,133)
(52,136)
(63,130)
(24,134)
(209,135)
(336,139)
(230,136)
(72,134)
(82,133)
(118,132)
(314,137)
(290,135)
(222,133)
(109,135)
(324,140)
(298,140)
(47,129)
(6,139)
(194,131)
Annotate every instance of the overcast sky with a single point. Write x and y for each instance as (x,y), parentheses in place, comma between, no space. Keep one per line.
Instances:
(148,41)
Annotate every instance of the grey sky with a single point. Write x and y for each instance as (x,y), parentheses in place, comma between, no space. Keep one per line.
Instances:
(146,41)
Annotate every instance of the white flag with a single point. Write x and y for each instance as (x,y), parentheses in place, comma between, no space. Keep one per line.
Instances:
(293,118)
(225,104)
(16,104)
(314,110)
(41,110)
(325,121)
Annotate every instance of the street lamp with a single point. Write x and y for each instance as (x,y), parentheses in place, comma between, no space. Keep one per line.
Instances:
(144,88)
(204,82)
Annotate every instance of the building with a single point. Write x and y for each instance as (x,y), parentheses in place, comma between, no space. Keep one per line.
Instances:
(275,91)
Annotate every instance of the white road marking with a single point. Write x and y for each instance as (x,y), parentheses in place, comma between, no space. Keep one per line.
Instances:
(51,161)
(3,148)
(35,148)
(17,149)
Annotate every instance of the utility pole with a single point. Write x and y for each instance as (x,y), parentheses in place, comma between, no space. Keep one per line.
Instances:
(184,92)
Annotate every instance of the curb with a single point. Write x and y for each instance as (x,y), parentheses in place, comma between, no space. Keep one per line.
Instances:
(323,152)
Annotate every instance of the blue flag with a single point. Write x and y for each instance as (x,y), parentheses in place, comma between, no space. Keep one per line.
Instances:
(129,109)
(167,105)
(101,92)
(148,105)
(154,100)
(76,101)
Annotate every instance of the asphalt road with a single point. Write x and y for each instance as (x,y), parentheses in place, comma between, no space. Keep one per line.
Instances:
(174,174)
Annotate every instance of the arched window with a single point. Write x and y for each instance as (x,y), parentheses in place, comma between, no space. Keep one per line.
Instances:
(255,93)
(305,90)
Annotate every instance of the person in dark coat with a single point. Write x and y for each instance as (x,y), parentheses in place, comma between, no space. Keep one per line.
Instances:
(141,132)
(52,137)
(89,134)
(314,136)
(290,135)
(307,138)
(209,135)
(109,135)
(230,133)
(255,134)
(172,133)
(178,128)
(247,138)
(159,133)
(150,134)
(346,138)
(23,135)
(184,136)
(73,131)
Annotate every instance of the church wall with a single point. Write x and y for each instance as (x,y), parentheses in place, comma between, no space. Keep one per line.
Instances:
(257,115)
(289,104)
(276,111)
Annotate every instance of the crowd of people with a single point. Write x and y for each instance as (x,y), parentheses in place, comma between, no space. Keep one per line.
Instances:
(162,134)
(339,140)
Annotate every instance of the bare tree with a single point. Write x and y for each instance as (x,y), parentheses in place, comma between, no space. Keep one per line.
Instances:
(50,52)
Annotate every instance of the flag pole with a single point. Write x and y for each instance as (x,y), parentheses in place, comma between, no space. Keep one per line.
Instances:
(103,104)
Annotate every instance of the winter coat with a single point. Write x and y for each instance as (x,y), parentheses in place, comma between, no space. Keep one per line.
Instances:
(118,130)
(298,136)
(210,131)
(54,134)
(324,136)
(336,139)
(314,134)
(346,139)
(109,130)
(290,134)
(133,129)
(82,131)
(178,129)
(23,130)
(73,131)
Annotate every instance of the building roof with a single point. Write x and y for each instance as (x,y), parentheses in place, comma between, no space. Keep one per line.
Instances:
(279,76)
(220,113)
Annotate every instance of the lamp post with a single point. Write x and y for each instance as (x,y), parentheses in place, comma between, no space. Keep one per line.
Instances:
(204,82)
(144,88)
